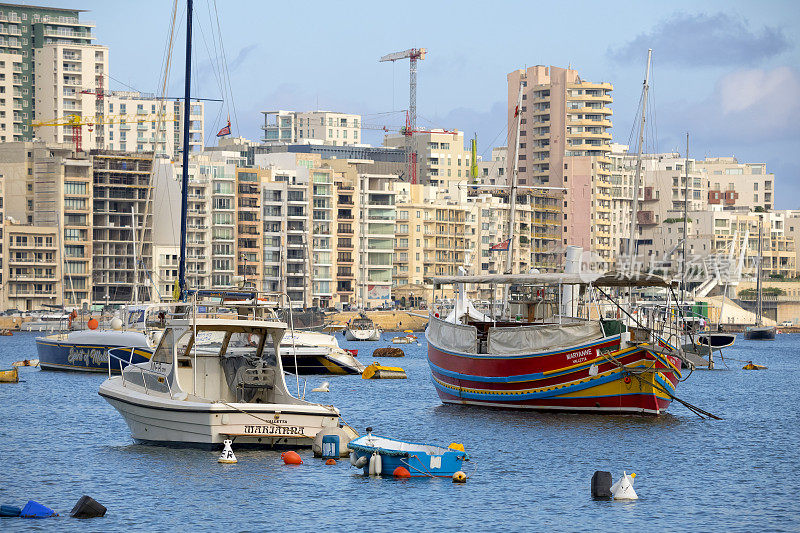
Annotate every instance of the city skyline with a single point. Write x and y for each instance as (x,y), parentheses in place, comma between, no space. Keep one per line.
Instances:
(727,73)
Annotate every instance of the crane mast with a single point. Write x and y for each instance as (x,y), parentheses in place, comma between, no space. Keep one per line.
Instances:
(413,55)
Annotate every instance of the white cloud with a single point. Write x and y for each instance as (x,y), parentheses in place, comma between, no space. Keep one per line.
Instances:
(772,97)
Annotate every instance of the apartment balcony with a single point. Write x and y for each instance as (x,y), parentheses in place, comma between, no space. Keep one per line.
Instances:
(588,122)
(61,32)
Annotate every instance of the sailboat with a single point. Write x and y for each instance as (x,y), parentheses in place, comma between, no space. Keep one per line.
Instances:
(700,341)
(213,376)
(758,331)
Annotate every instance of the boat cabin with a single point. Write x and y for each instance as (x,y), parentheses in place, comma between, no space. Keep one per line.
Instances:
(216,360)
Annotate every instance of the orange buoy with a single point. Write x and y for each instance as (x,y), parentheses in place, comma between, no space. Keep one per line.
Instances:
(291,458)
(93,323)
(330,462)
(401,471)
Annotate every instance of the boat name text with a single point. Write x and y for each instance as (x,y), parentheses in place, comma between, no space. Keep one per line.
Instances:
(580,356)
(273,430)
(96,356)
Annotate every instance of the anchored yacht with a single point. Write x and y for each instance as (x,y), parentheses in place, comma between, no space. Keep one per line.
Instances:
(200,395)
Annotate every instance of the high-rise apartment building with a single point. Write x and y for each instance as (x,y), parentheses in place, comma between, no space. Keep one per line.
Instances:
(47,191)
(23,30)
(120,218)
(564,141)
(70,79)
(317,127)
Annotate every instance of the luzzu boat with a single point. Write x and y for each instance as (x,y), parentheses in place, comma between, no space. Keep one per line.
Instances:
(555,362)
(382,455)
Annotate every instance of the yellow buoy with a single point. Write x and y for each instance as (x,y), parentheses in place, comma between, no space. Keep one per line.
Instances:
(456,446)
(459,477)
(9,376)
(376,371)
(753,366)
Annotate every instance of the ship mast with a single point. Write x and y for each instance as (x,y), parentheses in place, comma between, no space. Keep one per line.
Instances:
(758,279)
(185,170)
(638,175)
(513,197)
(685,218)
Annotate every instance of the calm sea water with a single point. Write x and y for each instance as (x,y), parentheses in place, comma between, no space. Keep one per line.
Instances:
(60,440)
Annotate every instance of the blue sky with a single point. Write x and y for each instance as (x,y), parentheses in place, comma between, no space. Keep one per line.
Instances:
(727,72)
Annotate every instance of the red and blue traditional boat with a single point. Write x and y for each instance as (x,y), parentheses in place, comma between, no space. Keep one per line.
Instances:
(555,362)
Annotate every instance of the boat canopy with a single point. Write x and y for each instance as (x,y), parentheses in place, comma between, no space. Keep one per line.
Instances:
(609,279)
(541,337)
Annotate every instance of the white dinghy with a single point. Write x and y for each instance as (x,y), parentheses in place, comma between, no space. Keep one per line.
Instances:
(201,395)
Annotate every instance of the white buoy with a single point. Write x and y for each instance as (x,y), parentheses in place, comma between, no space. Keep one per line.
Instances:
(116,324)
(324,387)
(623,489)
(227,456)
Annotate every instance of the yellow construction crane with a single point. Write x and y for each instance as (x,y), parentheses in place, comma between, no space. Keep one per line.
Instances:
(78,121)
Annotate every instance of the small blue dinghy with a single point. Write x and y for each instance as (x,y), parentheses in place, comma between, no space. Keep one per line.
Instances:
(381,455)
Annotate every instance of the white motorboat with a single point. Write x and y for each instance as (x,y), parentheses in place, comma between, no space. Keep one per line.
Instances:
(305,352)
(200,395)
(362,328)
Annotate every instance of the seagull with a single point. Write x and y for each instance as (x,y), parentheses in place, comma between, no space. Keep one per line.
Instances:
(322,388)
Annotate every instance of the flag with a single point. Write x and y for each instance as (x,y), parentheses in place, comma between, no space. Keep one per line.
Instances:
(501,246)
(225,131)
(516,111)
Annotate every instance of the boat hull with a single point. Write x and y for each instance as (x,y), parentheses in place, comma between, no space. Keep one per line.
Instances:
(82,355)
(318,361)
(362,334)
(163,421)
(579,378)
(717,340)
(760,333)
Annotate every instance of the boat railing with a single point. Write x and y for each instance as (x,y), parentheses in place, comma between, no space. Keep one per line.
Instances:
(131,367)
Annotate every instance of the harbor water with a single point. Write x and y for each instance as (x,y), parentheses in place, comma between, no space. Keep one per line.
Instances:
(529,471)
